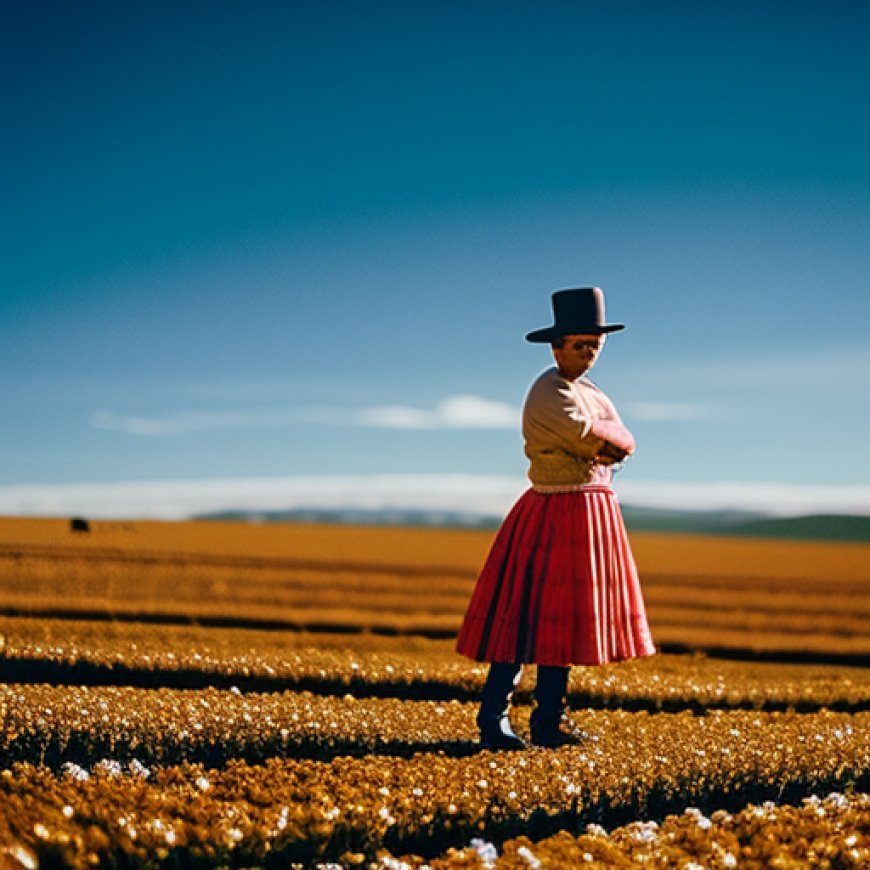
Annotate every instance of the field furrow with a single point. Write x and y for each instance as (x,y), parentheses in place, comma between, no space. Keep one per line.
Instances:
(633,765)
(222,695)
(829,832)
(770,611)
(373,666)
(739,636)
(57,724)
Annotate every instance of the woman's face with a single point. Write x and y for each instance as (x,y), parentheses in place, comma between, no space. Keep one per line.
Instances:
(577,354)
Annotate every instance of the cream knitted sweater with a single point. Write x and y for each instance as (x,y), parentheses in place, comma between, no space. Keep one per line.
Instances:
(565,426)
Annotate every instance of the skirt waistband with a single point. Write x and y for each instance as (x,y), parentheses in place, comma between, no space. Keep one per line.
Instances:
(555,489)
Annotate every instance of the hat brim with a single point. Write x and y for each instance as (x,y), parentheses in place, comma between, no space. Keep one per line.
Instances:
(546,335)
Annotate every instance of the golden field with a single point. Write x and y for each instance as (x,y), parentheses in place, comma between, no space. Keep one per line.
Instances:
(681,555)
(808,599)
(221,694)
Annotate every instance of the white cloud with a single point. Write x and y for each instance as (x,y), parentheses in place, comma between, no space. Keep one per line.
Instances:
(192,421)
(467,493)
(832,366)
(472,412)
(394,417)
(454,412)
(779,499)
(176,424)
(176,499)
(666,411)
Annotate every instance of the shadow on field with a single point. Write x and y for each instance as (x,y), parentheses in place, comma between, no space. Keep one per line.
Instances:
(314,626)
(84,673)
(442,829)
(652,804)
(86,748)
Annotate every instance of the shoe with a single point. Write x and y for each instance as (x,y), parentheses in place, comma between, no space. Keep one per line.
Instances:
(492,718)
(552,735)
(498,734)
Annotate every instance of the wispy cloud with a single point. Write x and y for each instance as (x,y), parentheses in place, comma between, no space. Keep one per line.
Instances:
(667,411)
(778,499)
(489,495)
(190,421)
(178,499)
(454,412)
(844,367)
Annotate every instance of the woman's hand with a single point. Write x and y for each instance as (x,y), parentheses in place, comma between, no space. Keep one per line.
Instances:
(610,453)
(618,441)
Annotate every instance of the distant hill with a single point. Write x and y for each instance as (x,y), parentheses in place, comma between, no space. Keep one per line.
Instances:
(818,527)
(821,527)
(705,522)
(814,527)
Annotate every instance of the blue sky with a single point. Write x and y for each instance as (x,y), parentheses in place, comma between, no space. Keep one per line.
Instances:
(246,245)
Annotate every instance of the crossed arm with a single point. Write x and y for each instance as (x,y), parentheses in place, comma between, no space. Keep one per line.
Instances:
(618,441)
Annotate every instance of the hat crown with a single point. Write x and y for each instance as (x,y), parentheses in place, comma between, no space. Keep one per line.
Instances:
(585,305)
(576,311)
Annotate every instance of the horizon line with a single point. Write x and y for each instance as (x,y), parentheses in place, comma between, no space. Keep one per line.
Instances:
(476,494)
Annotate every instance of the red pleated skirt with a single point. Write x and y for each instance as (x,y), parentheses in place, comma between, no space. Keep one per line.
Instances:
(559,586)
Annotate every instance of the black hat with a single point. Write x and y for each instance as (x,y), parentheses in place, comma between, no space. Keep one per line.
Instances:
(576,312)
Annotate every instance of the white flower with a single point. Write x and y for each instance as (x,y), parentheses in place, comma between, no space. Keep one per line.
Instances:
(487,851)
(138,769)
(394,864)
(529,857)
(24,857)
(837,800)
(76,772)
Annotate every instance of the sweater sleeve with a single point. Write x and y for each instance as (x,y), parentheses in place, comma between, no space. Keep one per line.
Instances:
(614,432)
(609,425)
(552,421)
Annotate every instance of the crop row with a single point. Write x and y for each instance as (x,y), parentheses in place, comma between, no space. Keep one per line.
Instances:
(401,667)
(246,543)
(55,725)
(690,633)
(789,617)
(463,550)
(60,724)
(254,580)
(741,640)
(829,832)
(632,765)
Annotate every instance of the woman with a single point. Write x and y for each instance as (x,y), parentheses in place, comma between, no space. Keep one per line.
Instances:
(559,586)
